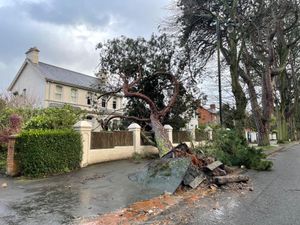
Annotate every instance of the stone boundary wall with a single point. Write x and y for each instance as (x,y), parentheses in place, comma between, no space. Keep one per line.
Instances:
(93,156)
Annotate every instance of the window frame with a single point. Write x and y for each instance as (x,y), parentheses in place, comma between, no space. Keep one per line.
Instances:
(103,102)
(74,99)
(89,98)
(57,93)
(114,103)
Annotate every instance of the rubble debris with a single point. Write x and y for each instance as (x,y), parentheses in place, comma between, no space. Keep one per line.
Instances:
(214,165)
(164,175)
(219,172)
(194,176)
(181,166)
(197,181)
(231,169)
(220,180)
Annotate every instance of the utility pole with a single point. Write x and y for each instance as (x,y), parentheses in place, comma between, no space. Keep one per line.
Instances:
(219,70)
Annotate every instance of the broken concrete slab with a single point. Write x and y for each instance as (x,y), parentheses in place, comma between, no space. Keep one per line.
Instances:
(214,165)
(191,173)
(164,175)
(197,181)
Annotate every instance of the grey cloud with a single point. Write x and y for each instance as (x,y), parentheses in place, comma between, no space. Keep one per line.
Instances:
(46,24)
(67,12)
(96,12)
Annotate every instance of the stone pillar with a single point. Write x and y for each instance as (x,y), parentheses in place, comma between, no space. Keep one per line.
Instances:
(209,130)
(136,130)
(85,129)
(193,133)
(169,131)
(11,167)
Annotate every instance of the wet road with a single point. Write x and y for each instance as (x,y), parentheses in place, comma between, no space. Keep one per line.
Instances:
(59,200)
(274,201)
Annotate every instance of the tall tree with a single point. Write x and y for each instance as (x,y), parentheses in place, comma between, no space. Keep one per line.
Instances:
(152,85)
(202,23)
(266,49)
(136,62)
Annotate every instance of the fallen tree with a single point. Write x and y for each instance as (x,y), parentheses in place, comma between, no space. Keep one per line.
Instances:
(127,63)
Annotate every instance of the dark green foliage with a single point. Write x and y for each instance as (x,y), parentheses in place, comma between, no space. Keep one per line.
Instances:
(159,53)
(181,136)
(232,150)
(44,152)
(201,134)
(55,118)
(228,116)
(25,113)
(3,156)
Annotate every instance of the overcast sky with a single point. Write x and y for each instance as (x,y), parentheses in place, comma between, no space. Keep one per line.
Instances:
(67,31)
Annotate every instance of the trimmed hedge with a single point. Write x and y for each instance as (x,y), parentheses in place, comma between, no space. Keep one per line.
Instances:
(46,152)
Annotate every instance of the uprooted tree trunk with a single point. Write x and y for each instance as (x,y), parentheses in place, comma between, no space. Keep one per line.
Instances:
(162,140)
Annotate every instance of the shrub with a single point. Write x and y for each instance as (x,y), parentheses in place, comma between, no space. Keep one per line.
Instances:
(25,113)
(44,152)
(3,156)
(55,118)
(233,150)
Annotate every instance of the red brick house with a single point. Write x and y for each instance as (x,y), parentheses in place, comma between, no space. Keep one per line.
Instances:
(207,116)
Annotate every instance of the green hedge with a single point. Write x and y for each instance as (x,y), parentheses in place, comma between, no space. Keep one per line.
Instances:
(45,152)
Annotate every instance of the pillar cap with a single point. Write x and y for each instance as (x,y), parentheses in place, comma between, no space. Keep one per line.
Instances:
(83,124)
(134,126)
(208,128)
(168,127)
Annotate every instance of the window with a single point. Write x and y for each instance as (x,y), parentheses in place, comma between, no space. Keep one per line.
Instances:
(74,95)
(114,103)
(89,98)
(58,92)
(103,103)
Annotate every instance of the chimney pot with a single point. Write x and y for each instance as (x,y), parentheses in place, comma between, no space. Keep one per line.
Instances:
(33,55)
(212,106)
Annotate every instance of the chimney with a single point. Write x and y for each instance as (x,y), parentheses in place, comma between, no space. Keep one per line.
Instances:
(33,55)
(213,107)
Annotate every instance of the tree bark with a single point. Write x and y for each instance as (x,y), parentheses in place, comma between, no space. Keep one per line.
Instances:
(162,140)
(230,179)
(232,59)
(261,124)
(163,143)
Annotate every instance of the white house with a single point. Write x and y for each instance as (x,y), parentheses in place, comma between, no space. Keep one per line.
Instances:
(53,86)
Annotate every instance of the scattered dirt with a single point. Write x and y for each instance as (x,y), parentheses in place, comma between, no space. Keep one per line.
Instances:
(141,212)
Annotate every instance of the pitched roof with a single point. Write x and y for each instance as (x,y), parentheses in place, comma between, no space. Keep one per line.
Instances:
(65,76)
(211,111)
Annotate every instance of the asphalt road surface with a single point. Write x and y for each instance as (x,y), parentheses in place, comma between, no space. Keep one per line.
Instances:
(275,199)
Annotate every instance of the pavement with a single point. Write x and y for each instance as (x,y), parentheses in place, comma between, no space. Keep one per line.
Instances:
(279,147)
(62,199)
(275,199)
(103,188)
